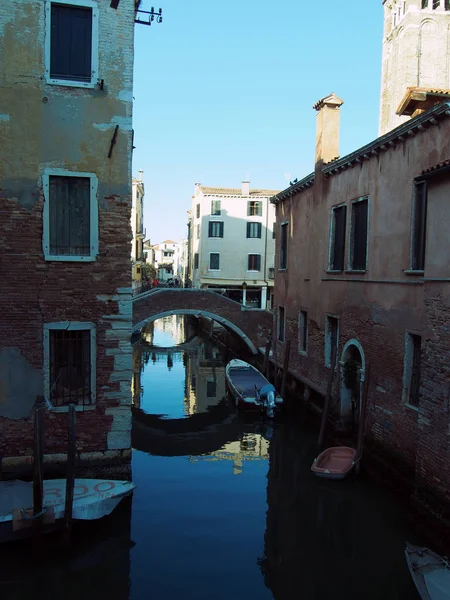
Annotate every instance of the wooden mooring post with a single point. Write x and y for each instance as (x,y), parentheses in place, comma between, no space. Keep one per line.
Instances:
(326,404)
(70,470)
(38,462)
(287,353)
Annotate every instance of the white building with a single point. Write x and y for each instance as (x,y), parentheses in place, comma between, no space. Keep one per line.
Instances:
(137,226)
(164,258)
(232,242)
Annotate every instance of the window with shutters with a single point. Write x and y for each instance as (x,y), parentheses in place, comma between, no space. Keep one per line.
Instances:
(254,230)
(254,208)
(71,44)
(197,211)
(411,375)
(216,208)
(419,226)
(254,262)
(337,238)
(69,363)
(196,260)
(215,229)
(283,245)
(214,261)
(70,216)
(358,235)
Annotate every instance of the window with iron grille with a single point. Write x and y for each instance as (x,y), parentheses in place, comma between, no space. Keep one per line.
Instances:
(196,260)
(331,338)
(254,230)
(198,211)
(254,208)
(358,240)
(419,218)
(214,261)
(303,332)
(215,229)
(338,226)
(283,245)
(72,43)
(70,216)
(281,324)
(69,357)
(411,378)
(254,262)
(216,207)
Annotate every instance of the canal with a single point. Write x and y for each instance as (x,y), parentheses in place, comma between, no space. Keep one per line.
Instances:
(224,509)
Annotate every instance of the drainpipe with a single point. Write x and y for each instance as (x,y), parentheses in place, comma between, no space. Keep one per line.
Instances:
(265,254)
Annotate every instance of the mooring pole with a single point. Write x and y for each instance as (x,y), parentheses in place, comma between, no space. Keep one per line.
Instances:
(38,457)
(287,353)
(70,472)
(326,403)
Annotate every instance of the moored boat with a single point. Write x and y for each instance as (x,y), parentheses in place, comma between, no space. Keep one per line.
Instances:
(430,572)
(92,499)
(249,389)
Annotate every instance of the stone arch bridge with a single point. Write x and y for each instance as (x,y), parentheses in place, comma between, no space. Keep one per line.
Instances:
(251,325)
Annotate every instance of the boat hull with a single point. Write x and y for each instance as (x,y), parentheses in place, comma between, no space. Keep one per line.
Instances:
(334,463)
(430,572)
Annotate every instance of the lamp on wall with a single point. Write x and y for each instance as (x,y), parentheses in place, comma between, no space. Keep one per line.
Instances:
(244,285)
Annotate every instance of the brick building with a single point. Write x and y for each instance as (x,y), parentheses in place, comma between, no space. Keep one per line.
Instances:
(363,265)
(65,205)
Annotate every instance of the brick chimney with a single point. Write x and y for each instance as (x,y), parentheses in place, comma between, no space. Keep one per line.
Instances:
(245,188)
(327,128)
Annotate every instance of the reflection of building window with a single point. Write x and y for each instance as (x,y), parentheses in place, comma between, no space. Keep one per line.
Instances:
(193,383)
(211,388)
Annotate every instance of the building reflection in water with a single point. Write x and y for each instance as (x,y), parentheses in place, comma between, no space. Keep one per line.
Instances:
(326,538)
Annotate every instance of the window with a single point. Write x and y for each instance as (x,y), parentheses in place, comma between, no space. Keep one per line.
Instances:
(436,4)
(254,230)
(283,245)
(198,211)
(69,363)
(214,261)
(254,208)
(358,240)
(196,260)
(447,5)
(303,332)
(331,338)
(424,3)
(411,377)
(70,216)
(216,207)
(419,226)
(215,229)
(337,249)
(254,262)
(275,225)
(211,388)
(71,46)
(281,324)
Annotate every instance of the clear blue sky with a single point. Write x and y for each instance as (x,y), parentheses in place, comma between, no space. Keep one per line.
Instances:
(225,89)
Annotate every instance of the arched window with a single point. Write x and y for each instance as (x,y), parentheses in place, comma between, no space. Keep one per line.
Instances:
(436,4)
(424,3)
(447,5)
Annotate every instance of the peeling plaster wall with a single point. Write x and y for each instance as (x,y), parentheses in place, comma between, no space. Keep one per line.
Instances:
(51,126)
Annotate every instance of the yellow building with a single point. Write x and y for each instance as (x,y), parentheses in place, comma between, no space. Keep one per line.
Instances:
(137,226)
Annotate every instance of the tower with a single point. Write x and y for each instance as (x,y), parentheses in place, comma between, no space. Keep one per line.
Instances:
(416,53)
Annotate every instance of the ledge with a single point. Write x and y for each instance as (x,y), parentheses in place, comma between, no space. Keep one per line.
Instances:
(413,272)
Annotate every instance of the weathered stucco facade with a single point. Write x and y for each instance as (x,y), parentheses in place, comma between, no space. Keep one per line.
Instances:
(375,311)
(55,130)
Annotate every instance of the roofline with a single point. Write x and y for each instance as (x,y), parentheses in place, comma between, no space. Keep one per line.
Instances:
(381,144)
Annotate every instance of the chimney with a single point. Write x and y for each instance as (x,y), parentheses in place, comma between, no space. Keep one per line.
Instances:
(245,188)
(197,189)
(141,174)
(327,128)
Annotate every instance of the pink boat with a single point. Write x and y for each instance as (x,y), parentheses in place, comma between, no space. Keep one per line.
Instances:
(334,463)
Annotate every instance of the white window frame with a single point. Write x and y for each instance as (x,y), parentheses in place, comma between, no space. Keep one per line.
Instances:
(71,326)
(327,348)
(350,235)
(93,238)
(303,327)
(209,262)
(94,55)
(254,270)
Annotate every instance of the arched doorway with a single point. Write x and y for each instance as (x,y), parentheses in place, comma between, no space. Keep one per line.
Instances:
(352,367)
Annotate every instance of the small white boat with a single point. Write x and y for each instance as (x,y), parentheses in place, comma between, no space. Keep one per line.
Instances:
(249,388)
(92,499)
(430,572)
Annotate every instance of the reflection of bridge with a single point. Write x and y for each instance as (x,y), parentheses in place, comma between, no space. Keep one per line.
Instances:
(190,344)
(252,325)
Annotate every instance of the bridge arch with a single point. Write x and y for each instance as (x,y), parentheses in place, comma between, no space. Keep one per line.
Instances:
(199,313)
